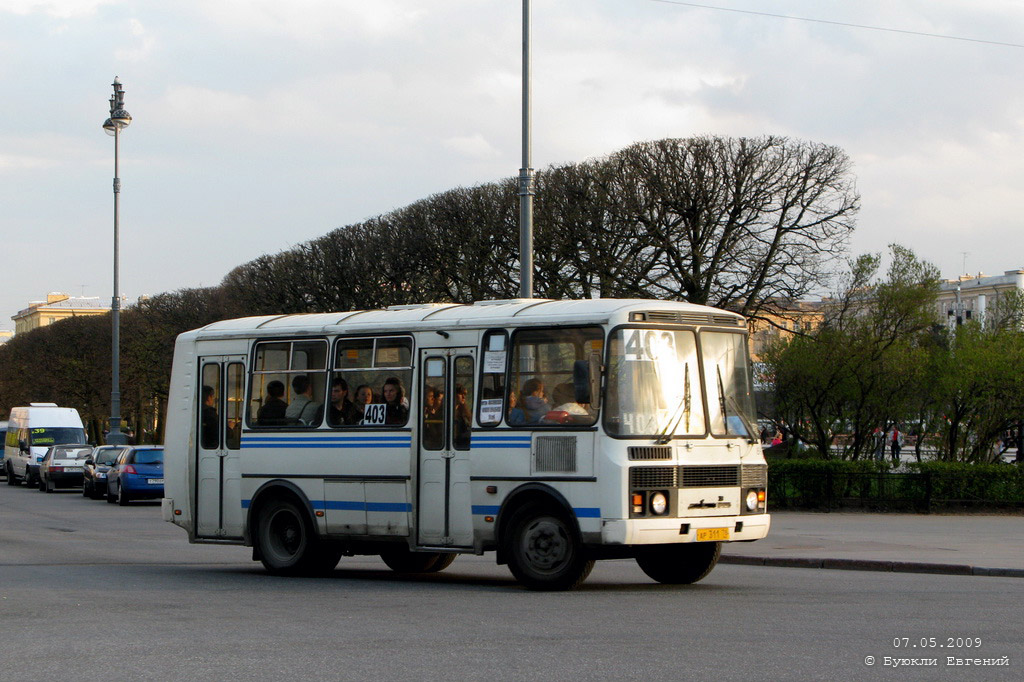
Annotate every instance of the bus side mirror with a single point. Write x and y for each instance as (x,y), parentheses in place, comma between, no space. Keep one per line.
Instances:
(586,380)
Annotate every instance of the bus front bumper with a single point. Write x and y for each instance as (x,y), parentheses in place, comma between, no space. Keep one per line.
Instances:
(674,530)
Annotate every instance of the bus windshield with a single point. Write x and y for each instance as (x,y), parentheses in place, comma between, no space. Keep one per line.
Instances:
(655,387)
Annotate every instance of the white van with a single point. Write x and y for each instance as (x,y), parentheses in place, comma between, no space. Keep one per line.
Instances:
(33,429)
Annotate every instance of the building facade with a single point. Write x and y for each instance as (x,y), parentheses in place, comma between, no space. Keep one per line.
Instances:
(57,306)
(977,297)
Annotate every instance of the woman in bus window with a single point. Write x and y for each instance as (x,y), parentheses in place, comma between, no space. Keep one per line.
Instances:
(394,397)
(364,397)
(516,416)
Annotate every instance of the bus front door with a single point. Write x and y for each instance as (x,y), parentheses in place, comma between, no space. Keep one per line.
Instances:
(444,510)
(218,482)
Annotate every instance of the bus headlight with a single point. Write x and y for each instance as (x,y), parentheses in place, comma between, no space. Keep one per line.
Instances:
(659,504)
(751,500)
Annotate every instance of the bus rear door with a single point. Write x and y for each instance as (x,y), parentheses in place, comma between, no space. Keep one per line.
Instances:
(220,401)
(444,504)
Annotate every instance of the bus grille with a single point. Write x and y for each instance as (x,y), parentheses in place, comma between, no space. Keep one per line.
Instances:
(556,453)
(649,452)
(709,476)
(652,477)
(754,476)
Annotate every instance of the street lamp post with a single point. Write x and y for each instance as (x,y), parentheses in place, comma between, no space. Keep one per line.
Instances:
(119,119)
(526,176)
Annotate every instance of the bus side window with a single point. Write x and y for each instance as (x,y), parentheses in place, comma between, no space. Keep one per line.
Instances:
(543,364)
(494,351)
(233,405)
(462,417)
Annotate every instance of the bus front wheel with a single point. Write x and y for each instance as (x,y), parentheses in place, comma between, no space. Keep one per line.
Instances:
(681,564)
(543,550)
(287,544)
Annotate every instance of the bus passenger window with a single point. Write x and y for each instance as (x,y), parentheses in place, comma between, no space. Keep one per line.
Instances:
(288,384)
(542,366)
(378,372)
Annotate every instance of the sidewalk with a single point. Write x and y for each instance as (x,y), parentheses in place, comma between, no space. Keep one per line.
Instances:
(955,544)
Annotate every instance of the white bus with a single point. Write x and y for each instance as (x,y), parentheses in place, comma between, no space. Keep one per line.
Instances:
(552,432)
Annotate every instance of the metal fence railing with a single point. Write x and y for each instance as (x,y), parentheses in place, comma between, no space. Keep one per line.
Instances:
(902,491)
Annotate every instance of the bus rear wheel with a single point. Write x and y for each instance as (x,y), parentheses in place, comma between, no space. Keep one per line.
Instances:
(681,564)
(543,550)
(404,561)
(287,544)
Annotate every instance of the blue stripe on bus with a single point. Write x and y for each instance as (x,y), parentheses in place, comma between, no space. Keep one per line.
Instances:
(345,505)
(314,443)
(510,441)
(321,439)
(581,512)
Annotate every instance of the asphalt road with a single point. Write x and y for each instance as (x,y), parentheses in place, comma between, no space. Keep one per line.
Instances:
(92,591)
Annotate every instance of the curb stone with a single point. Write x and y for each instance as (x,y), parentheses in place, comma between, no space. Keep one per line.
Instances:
(871,565)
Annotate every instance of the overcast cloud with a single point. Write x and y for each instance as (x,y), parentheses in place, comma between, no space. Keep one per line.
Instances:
(260,124)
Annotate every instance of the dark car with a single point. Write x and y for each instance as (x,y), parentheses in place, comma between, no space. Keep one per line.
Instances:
(137,474)
(61,466)
(94,474)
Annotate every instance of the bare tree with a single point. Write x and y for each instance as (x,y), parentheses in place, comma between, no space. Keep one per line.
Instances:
(732,222)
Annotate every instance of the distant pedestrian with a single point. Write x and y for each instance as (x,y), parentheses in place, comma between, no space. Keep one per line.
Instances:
(896,444)
(878,438)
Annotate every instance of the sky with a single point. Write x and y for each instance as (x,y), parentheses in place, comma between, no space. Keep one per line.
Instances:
(261,124)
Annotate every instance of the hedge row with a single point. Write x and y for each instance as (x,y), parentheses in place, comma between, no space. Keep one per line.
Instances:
(795,483)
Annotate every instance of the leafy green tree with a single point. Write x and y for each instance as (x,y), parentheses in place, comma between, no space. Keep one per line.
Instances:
(858,370)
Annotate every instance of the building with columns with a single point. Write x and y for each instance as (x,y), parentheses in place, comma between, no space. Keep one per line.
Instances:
(976,297)
(57,306)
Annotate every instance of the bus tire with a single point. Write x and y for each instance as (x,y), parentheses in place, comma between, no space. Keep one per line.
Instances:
(543,550)
(681,564)
(287,543)
(403,561)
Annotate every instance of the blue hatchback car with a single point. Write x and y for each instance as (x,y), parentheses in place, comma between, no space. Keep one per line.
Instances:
(138,474)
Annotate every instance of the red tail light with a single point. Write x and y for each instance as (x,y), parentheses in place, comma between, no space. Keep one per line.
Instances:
(56,470)
(129,469)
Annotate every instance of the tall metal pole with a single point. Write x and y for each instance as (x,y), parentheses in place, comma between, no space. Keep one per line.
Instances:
(526,184)
(119,118)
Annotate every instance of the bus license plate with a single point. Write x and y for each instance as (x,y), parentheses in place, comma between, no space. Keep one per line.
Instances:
(155,481)
(712,534)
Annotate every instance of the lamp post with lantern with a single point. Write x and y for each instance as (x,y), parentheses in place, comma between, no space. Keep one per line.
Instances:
(119,119)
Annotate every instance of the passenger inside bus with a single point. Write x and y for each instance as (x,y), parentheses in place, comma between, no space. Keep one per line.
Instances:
(364,397)
(516,416)
(461,424)
(433,417)
(566,409)
(341,410)
(303,408)
(535,404)
(272,412)
(394,397)
(209,435)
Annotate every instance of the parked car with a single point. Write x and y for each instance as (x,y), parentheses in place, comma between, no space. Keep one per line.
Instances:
(138,473)
(61,466)
(95,468)
(3,448)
